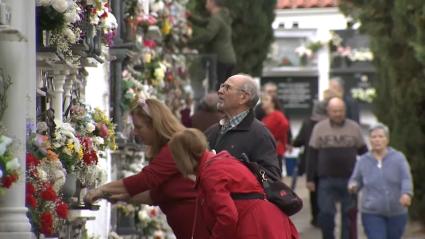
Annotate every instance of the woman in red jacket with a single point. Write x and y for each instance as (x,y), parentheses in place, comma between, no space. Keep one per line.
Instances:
(221,180)
(159,183)
(276,122)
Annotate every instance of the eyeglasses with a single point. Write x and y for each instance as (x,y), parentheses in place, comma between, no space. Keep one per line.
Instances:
(228,87)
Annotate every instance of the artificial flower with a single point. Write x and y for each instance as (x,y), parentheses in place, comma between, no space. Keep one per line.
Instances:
(111,22)
(142,215)
(42,175)
(30,189)
(12,165)
(158,234)
(166,27)
(52,155)
(98,140)
(59,181)
(4,143)
(62,210)
(147,57)
(46,221)
(159,73)
(157,6)
(42,127)
(72,17)
(70,35)
(7,181)
(90,158)
(90,127)
(44,3)
(32,161)
(103,130)
(149,43)
(60,5)
(30,200)
(49,194)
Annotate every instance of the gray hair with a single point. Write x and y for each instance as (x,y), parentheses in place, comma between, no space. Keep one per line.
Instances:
(380,126)
(269,84)
(338,80)
(249,86)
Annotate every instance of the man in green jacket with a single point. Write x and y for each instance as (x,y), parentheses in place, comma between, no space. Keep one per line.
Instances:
(215,33)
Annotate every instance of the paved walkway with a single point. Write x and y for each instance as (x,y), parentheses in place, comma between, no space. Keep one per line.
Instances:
(307,231)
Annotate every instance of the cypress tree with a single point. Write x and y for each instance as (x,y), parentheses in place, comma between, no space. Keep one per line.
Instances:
(397,35)
(252,31)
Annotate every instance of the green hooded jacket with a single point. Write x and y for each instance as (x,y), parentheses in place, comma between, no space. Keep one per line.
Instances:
(216,35)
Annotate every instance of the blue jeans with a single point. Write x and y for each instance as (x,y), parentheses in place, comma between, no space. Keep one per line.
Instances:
(330,191)
(383,227)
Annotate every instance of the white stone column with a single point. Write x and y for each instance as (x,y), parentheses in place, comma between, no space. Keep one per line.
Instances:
(59,77)
(68,89)
(18,59)
(82,87)
(323,59)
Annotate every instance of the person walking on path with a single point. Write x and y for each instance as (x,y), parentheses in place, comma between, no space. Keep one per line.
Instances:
(302,140)
(159,183)
(215,33)
(270,88)
(206,114)
(277,123)
(352,107)
(334,145)
(220,179)
(239,131)
(383,176)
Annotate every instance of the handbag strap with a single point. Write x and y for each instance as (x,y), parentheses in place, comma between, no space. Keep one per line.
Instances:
(247,196)
(255,168)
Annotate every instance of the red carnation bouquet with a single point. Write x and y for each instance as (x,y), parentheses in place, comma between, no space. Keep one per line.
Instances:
(47,209)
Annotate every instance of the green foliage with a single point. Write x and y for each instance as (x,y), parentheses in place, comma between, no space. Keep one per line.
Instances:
(397,31)
(252,31)
(50,19)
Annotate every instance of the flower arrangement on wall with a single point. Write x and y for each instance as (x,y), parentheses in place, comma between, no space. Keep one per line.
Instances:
(159,68)
(364,92)
(58,151)
(60,18)
(306,52)
(45,178)
(95,133)
(69,22)
(9,165)
(340,50)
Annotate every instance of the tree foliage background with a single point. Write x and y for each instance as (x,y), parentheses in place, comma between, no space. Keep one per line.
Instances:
(397,33)
(252,31)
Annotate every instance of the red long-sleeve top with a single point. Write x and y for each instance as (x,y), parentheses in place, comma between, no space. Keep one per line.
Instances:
(172,192)
(278,125)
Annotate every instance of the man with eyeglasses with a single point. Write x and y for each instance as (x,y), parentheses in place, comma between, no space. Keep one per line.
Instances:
(239,131)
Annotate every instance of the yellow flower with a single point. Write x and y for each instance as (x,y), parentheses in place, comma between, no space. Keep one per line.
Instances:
(166,27)
(80,154)
(70,146)
(147,58)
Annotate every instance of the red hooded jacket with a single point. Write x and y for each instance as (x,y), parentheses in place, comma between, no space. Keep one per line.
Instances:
(218,176)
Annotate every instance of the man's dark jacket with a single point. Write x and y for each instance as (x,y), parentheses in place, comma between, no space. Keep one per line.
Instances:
(250,137)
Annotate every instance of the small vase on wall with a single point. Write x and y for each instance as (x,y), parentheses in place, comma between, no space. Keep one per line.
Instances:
(70,187)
